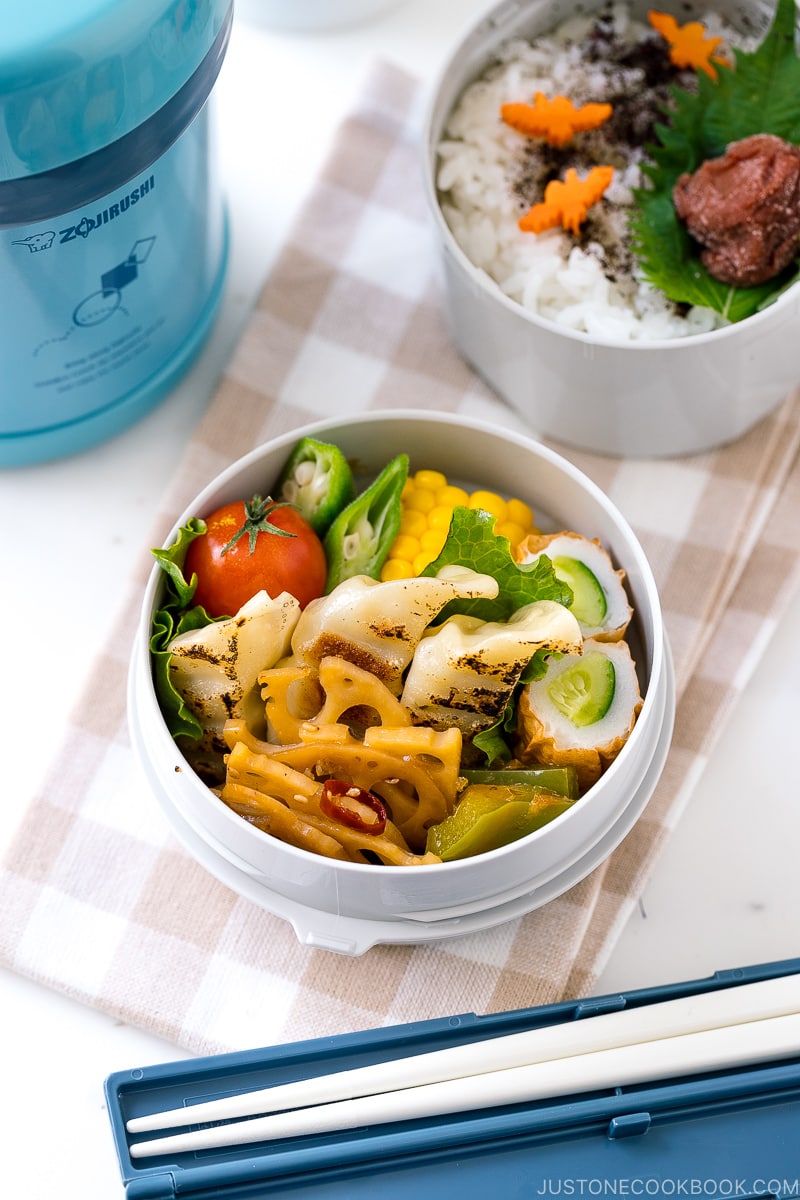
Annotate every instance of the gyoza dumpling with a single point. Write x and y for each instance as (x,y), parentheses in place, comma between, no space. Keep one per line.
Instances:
(600,600)
(377,625)
(464,671)
(215,668)
(582,711)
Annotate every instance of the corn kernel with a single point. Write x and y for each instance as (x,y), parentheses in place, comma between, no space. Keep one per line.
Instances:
(520,512)
(396,568)
(451,496)
(432,480)
(440,517)
(490,502)
(413,523)
(405,546)
(421,561)
(421,500)
(510,529)
(433,541)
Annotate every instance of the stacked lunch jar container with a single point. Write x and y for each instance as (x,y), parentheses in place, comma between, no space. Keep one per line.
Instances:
(113,239)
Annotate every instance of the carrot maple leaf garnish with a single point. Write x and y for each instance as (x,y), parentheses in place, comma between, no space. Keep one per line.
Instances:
(554,120)
(567,202)
(688,44)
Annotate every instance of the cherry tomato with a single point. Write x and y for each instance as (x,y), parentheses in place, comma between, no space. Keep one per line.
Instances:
(255,544)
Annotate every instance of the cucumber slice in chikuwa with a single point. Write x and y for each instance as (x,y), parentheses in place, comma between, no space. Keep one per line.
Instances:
(589,600)
(555,779)
(581,712)
(584,691)
(600,600)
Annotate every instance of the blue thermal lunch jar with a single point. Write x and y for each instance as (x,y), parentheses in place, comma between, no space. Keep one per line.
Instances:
(113,239)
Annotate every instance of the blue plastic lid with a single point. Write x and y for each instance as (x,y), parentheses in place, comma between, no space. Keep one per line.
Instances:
(76,77)
(729,1133)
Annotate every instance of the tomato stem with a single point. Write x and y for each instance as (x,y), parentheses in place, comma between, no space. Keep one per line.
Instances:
(256,520)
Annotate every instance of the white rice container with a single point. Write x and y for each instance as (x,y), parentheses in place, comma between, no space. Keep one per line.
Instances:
(634,398)
(349,907)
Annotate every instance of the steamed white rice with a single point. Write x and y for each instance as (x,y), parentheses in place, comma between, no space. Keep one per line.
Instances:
(550,274)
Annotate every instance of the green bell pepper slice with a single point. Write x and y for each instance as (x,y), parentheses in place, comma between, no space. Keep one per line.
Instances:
(492,815)
(555,779)
(360,538)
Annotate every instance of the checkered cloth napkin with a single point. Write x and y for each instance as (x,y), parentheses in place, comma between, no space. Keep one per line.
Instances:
(100,902)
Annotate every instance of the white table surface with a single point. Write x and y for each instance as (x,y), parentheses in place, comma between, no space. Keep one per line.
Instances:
(725,891)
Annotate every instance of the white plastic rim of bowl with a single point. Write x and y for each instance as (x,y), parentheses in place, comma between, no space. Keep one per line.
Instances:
(657,398)
(470,450)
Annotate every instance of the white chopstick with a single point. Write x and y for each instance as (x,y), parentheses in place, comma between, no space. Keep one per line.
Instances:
(738,1005)
(693,1053)
(735,1005)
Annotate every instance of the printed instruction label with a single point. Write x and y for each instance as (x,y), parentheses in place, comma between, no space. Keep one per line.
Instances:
(78,372)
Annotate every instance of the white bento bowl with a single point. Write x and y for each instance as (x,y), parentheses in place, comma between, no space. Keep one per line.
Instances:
(634,398)
(349,907)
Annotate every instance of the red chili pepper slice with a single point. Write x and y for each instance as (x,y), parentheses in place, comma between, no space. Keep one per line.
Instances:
(340,800)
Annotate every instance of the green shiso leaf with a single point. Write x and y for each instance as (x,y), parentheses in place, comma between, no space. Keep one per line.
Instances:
(757,95)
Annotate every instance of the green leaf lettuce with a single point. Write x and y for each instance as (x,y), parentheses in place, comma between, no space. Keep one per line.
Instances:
(175,615)
(472,542)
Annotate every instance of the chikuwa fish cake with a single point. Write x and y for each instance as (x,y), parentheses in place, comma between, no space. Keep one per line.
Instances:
(600,603)
(582,711)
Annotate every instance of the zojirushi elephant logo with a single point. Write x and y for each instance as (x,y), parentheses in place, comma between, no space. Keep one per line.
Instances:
(37,241)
